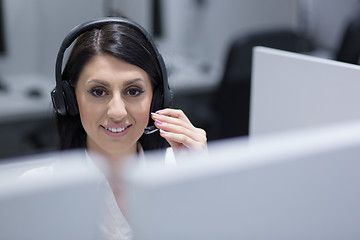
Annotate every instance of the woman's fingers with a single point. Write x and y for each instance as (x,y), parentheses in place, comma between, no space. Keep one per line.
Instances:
(177,122)
(180,141)
(174,125)
(174,113)
(177,129)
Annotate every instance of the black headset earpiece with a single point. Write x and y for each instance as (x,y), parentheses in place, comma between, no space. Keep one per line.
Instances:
(64,101)
(58,101)
(70,98)
(63,95)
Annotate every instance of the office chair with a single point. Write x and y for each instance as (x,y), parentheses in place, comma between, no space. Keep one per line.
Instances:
(349,48)
(230,102)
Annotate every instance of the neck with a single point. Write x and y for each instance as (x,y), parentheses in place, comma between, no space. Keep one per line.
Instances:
(111,164)
(114,160)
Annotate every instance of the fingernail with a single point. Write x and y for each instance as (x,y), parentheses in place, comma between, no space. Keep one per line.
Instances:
(154,115)
(158,121)
(162,131)
(159,111)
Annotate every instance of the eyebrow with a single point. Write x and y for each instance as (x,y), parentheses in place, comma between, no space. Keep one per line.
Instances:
(126,83)
(130,82)
(99,82)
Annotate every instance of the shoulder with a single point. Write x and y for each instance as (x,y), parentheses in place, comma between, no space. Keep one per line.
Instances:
(53,162)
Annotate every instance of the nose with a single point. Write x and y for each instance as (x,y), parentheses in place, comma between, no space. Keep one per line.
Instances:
(117,108)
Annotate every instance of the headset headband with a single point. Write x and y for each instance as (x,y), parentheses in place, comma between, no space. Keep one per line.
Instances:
(99,23)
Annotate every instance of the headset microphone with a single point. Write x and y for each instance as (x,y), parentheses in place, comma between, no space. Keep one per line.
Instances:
(150,130)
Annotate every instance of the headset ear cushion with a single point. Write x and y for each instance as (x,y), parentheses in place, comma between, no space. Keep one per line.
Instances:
(70,99)
(58,101)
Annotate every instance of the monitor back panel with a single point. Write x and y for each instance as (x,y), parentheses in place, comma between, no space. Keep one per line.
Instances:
(292,186)
(292,91)
(54,202)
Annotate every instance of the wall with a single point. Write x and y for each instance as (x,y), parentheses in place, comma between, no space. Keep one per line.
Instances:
(137,10)
(205,30)
(326,20)
(20,25)
(201,29)
(35,29)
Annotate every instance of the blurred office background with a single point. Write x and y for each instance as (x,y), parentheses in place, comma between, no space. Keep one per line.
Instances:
(206,45)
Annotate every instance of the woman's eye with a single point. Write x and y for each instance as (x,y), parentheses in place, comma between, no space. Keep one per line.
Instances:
(98,92)
(134,92)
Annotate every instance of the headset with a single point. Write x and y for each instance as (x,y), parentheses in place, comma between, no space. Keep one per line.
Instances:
(63,95)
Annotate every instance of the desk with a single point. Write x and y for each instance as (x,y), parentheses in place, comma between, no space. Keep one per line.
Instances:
(188,75)
(26,123)
(16,102)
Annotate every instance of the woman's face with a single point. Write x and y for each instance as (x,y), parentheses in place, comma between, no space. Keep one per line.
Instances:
(114,99)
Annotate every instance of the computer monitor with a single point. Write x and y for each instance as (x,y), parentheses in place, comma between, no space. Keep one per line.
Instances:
(294,185)
(291,91)
(62,203)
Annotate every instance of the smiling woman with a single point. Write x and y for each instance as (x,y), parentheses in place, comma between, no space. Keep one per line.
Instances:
(112,80)
(110,99)
(114,99)
(122,43)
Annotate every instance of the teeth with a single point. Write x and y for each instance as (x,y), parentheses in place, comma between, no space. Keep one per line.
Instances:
(115,130)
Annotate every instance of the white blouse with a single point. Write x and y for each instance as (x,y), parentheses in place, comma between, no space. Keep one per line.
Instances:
(113,224)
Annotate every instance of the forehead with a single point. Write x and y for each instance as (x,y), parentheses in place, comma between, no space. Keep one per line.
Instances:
(111,69)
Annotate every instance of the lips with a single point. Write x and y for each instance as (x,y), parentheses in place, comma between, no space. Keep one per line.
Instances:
(116,130)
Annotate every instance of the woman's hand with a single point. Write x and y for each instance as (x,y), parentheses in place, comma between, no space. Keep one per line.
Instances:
(177,129)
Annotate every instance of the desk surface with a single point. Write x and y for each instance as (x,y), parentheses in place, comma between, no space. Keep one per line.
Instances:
(191,75)
(26,96)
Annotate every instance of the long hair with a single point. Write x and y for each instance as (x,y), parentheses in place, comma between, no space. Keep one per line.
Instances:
(124,42)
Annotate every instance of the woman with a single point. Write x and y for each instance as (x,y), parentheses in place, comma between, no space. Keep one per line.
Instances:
(115,73)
